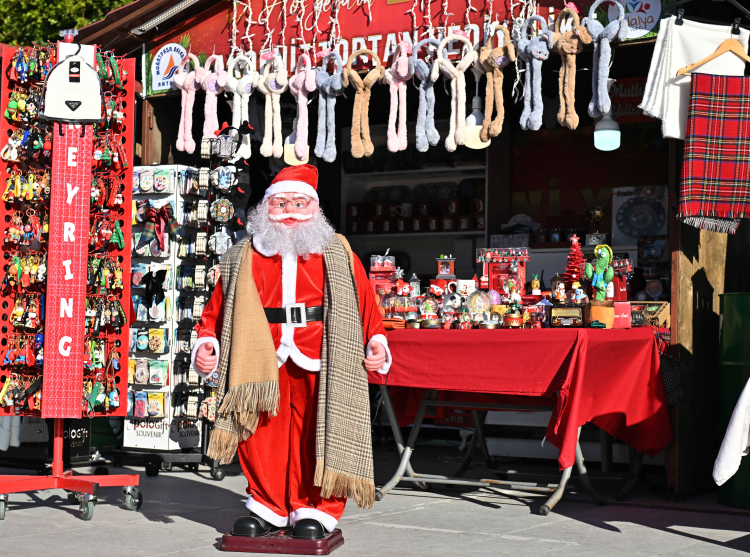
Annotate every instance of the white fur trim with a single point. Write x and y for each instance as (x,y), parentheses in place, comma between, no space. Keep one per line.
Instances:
(262,249)
(266,514)
(328,522)
(303,361)
(200,342)
(291,186)
(384,341)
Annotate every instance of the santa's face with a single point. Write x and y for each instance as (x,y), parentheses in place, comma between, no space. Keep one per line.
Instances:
(291,208)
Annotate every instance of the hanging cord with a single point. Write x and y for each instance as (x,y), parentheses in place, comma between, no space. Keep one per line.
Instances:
(247,38)
(283,23)
(298,9)
(445,18)
(317,9)
(427,19)
(469,9)
(528,9)
(413,13)
(263,19)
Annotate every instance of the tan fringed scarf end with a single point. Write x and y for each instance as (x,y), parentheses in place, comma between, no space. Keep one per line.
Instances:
(336,484)
(251,398)
(222,446)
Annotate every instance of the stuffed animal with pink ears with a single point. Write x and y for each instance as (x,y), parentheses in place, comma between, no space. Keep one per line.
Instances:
(272,85)
(242,85)
(213,83)
(188,83)
(301,85)
(396,77)
(457,129)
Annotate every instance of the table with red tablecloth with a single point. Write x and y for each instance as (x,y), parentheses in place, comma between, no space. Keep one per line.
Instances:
(607,377)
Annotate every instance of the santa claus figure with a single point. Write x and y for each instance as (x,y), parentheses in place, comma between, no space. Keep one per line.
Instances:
(287,337)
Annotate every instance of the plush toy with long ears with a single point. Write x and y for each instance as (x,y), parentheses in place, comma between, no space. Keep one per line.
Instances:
(301,85)
(427,134)
(456,76)
(242,85)
(602,37)
(533,52)
(188,82)
(493,60)
(330,86)
(361,141)
(396,77)
(213,83)
(567,45)
(272,85)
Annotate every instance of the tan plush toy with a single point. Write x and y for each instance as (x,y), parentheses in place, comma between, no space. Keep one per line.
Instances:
(493,60)
(361,142)
(567,45)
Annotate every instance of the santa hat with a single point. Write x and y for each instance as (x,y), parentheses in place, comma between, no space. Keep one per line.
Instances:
(295,179)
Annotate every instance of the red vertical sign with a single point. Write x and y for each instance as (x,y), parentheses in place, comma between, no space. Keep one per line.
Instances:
(64,334)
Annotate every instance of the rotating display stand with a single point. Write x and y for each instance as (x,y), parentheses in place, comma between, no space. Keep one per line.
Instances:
(73,359)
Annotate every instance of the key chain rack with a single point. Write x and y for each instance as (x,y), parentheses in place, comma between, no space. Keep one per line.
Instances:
(25,217)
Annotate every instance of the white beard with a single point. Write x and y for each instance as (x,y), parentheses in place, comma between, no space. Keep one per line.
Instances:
(304,239)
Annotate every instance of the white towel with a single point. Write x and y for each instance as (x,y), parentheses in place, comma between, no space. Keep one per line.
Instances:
(736,440)
(666,96)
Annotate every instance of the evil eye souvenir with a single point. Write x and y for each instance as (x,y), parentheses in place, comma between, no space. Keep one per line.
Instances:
(222,210)
(223,178)
(219,243)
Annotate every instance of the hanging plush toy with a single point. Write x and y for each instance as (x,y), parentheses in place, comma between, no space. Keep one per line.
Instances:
(188,82)
(567,45)
(213,83)
(396,77)
(533,52)
(361,142)
(602,37)
(242,86)
(272,85)
(330,86)
(427,134)
(457,129)
(493,61)
(301,85)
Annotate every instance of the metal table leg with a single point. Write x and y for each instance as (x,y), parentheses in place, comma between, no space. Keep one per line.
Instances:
(636,475)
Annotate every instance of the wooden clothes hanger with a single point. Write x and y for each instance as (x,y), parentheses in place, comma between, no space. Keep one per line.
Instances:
(729,45)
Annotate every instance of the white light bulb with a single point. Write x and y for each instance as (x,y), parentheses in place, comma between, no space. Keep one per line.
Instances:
(606,130)
(475,119)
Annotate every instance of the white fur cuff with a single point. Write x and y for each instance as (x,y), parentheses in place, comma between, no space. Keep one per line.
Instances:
(266,514)
(328,522)
(200,342)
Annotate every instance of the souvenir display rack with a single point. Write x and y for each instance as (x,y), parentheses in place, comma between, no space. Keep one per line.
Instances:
(27,155)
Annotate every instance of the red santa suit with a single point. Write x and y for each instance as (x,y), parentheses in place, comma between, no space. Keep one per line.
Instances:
(279,459)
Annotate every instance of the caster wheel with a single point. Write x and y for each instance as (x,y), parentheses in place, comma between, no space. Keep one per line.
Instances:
(379,495)
(101,471)
(545,510)
(87,509)
(217,474)
(133,500)
(72,499)
(3,508)
(166,466)
(193,468)
(152,470)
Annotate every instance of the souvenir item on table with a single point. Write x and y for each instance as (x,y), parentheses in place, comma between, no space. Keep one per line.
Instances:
(494,60)
(242,85)
(329,86)
(456,76)
(301,84)
(440,287)
(537,319)
(453,303)
(533,51)
(576,262)
(396,77)
(272,85)
(427,134)
(495,297)
(513,319)
(504,266)
(415,284)
(513,296)
(602,36)
(188,82)
(567,45)
(213,83)
(479,301)
(446,267)
(576,295)
(382,273)
(601,272)
(536,286)
(360,133)
(428,308)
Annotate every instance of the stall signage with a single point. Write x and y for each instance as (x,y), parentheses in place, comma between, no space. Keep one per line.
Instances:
(66,280)
(642,16)
(166,61)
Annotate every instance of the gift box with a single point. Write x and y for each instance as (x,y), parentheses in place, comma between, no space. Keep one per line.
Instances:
(604,312)
(447,224)
(430,224)
(622,315)
(355,210)
(416,224)
(657,314)
(463,223)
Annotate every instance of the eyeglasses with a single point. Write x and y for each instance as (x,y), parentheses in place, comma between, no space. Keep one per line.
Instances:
(298,201)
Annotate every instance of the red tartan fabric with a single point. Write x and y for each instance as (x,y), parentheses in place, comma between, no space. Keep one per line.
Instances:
(716,167)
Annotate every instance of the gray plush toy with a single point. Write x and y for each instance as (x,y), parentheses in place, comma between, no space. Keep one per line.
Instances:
(533,52)
(427,134)
(330,87)
(617,29)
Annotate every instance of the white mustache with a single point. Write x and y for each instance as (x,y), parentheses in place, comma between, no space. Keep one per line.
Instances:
(295,216)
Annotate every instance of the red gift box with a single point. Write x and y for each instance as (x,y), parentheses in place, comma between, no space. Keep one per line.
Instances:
(622,315)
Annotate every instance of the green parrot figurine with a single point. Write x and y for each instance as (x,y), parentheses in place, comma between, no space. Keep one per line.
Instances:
(601,272)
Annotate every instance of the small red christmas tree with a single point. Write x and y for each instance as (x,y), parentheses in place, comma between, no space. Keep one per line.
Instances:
(576,262)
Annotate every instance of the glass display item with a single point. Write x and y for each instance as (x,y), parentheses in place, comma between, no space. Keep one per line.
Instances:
(479,301)
(412,316)
(428,309)
(509,283)
(495,298)
(453,303)
(496,317)
(576,295)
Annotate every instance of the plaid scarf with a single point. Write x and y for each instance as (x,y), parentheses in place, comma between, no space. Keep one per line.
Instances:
(344,464)
(715,189)
(158,222)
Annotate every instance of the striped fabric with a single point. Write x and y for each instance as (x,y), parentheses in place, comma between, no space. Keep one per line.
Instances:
(715,189)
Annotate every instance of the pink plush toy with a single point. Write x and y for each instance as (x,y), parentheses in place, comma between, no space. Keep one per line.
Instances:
(301,85)
(396,77)
(213,83)
(187,82)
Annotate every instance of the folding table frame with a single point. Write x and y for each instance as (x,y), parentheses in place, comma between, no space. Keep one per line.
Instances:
(405,472)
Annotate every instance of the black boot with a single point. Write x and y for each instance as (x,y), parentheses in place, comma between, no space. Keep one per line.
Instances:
(251,526)
(308,529)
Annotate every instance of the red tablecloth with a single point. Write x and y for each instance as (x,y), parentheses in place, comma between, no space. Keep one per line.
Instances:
(608,377)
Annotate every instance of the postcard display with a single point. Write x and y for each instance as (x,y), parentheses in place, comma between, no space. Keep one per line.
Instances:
(31,245)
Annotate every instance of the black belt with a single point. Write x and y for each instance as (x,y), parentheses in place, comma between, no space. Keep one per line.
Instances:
(294,314)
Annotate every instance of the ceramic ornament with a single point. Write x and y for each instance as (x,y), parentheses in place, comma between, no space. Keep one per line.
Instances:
(396,77)
(602,37)
(533,52)
(361,141)
(330,86)
(272,85)
(188,82)
(427,134)
(213,83)
(301,85)
(493,60)
(456,77)
(242,85)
